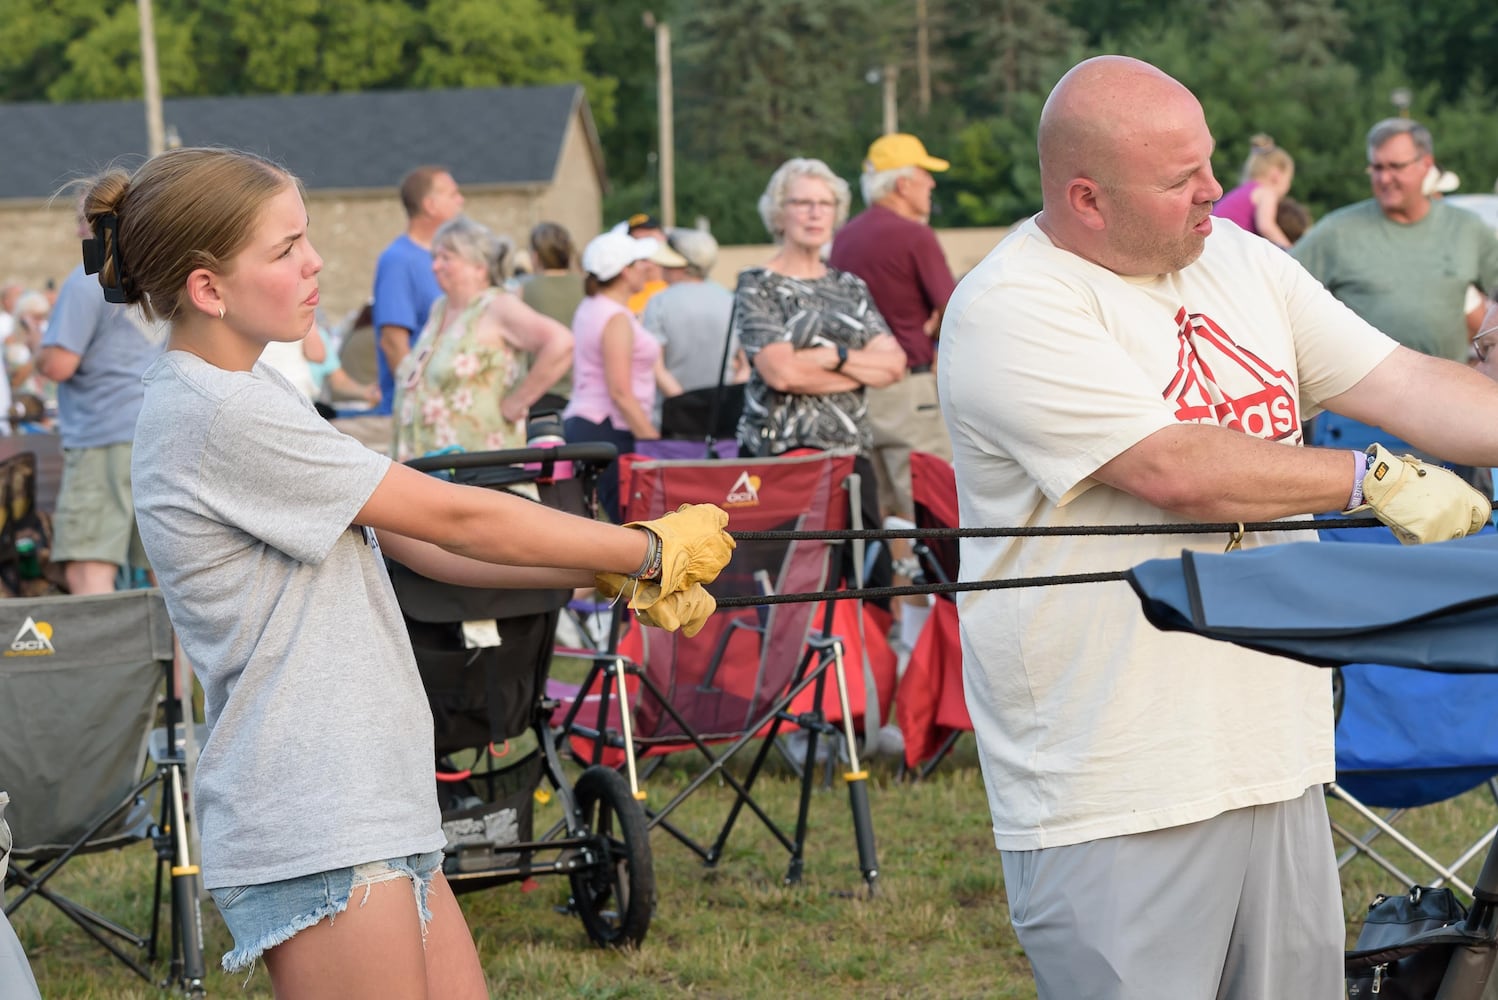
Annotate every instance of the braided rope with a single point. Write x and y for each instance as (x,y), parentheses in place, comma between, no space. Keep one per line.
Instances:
(917,589)
(877,534)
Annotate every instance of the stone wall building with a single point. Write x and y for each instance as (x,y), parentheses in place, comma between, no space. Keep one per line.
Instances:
(521,154)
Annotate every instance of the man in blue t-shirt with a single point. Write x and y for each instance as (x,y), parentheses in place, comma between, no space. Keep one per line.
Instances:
(404,288)
(96,352)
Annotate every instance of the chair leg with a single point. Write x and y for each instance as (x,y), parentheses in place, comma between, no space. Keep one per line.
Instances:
(187,886)
(858,782)
(36,877)
(808,777)
(1446,874)
(95,926)
(80,914)
(924,771)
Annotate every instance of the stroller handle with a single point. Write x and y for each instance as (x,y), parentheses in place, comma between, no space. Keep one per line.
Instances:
(597,454)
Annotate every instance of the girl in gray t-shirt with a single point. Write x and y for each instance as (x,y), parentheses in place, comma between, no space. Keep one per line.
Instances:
(266,527)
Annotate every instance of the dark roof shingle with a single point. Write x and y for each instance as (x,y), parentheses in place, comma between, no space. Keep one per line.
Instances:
(500,135)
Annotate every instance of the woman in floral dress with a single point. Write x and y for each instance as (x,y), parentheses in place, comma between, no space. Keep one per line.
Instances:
(465,382)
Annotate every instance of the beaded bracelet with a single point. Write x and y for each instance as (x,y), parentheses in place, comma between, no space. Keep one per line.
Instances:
(650,566)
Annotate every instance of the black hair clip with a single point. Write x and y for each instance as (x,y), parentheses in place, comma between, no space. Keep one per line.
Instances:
(95,255)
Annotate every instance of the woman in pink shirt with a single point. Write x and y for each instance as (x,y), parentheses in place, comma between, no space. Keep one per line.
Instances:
(1254,204)
(616,364)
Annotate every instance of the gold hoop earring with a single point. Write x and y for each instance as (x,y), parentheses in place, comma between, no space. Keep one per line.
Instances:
(220,312)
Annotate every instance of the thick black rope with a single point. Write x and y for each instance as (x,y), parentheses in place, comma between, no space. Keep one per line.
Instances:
(881,593)
(913,590)
(879,534)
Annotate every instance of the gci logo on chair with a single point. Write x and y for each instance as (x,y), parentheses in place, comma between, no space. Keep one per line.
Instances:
(744,492)
(33,639)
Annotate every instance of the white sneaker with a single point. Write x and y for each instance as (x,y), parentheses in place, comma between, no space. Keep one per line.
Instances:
(795,746)
(890,742)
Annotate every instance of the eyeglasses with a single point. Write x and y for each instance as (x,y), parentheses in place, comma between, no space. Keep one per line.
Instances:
(804,206)
(1393,168)
(1482,346)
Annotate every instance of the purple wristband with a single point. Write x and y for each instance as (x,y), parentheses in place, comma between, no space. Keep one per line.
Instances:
(1360,469)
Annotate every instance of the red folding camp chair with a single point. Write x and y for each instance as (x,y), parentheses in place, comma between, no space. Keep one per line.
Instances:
(752,671)
(930,706)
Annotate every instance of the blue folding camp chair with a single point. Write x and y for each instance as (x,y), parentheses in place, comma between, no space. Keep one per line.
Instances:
(1406,739)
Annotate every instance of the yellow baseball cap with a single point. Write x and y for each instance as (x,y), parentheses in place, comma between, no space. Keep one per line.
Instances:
(899,149)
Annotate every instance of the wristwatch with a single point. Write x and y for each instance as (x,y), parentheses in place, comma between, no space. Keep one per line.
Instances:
(842,357)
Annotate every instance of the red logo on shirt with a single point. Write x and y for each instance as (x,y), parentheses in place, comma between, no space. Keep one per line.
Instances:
(1219,382)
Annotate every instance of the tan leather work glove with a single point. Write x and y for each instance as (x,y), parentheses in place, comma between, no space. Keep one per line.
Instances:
(694,546)
(687,609)
(611,585)
(1419,502)
(694,550)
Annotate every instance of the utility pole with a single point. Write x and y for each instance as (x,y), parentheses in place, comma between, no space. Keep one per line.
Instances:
(666,159)
(155,131)
(922,58)
(890,74)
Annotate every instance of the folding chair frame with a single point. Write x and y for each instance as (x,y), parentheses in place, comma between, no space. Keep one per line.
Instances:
(169,836)
(821,653)
(1384,825)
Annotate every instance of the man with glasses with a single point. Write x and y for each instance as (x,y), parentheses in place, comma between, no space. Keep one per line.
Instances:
(1402,261)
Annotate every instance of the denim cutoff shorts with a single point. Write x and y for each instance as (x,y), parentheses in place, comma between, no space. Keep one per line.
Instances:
(263,916)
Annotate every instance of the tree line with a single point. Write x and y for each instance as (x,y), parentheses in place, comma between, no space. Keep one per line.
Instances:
(757,81)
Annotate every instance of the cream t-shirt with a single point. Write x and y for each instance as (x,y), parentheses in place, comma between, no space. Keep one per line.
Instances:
(1090,722)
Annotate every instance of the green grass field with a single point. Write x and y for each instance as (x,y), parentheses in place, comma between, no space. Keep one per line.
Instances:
(938,926)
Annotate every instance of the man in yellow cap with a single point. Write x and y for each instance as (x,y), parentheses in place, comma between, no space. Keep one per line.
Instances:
(642,226)
(891,246)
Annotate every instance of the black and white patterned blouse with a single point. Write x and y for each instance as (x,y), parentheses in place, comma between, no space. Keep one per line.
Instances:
(817,312)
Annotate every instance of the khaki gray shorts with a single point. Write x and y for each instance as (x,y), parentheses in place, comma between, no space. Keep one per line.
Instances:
(1243,906)
(95,519)
(905,417)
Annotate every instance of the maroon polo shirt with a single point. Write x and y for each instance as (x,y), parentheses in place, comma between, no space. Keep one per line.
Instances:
(901,262)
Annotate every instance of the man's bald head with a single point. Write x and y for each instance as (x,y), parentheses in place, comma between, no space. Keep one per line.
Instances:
(1126,167)
(1097,107)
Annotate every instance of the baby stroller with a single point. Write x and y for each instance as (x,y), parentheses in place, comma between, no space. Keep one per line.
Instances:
(484,656)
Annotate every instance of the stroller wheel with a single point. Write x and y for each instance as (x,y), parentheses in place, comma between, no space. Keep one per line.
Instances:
(615,895)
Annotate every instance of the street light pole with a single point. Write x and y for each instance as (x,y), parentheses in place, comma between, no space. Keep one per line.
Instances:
(155,131)
(666,158)
(1401,98)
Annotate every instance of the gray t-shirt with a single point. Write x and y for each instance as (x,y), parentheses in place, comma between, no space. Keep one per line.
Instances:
(1408,279)
(690,319)
(99,404)
(320,750)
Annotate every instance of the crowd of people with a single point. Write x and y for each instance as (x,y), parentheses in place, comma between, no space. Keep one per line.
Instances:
(1141,351)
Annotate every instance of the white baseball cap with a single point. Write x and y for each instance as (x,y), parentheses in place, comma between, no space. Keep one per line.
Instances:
(609,253)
